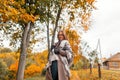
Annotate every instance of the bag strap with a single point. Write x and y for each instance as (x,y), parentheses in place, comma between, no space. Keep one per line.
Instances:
(58,44)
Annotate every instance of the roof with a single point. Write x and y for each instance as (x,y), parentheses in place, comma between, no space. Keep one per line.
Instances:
(115,57)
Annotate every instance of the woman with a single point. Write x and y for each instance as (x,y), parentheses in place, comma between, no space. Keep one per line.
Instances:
(60,59)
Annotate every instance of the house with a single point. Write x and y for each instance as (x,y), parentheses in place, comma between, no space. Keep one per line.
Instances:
(113,62)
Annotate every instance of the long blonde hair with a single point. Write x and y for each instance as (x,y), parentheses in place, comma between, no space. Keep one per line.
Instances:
(64,34)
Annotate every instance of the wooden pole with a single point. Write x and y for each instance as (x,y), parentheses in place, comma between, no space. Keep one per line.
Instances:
(90,68)
(99,71)
(99,66)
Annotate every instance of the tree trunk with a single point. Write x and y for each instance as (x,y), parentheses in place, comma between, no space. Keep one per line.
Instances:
(56,24)
(48,41)
(29,32)
(48,38)
(99,71)
(24,45)
(90,68)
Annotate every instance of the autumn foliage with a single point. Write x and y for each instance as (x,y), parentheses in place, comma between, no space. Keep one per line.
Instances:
(15,12)
(35,63)
(74,40)
(18,11)
(32,70)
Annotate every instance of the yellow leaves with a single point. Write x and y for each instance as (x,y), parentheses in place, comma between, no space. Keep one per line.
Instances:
(1,11)
(90,1)
(86,27)
(85,21)
(12,13)
(74,40)
(36,66)
(9,13)
(33,69)
(5,2)
(75,75)
(26,17)
(5,55)
(14,67)
(22,11)
(12,10)
(2,55)
(17,15)
(22,2)
(37,17)
(4,18)
(40,60)
(81,2)
(76,58)
(11,0)
(85,16)
(86,8)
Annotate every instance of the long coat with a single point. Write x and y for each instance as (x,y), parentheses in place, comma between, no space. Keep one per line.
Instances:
(64,62)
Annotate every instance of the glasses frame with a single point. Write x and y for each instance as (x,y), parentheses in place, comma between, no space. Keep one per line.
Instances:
(60,35)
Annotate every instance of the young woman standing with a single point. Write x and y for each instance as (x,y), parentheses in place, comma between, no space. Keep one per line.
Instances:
(60,59)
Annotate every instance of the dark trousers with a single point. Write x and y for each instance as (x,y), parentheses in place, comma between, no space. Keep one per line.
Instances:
(54,70)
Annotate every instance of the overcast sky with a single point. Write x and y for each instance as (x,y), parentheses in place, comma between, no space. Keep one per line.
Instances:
(106,26)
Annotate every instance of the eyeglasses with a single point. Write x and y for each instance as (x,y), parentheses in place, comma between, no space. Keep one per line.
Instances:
(60,34)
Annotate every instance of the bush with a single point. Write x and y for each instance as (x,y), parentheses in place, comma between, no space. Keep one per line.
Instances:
(3,70)
(13,70)
(83,63)
(43,72)
(5,50)
(32,70)
(9,60)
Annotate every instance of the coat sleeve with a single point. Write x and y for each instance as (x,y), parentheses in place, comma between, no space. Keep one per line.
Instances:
(69,53)
(64,48)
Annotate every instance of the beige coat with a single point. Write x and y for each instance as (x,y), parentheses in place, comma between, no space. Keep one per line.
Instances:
(63,64)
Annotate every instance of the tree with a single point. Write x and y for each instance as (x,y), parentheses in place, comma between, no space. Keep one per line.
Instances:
(89,53)
(17,11)
(99,57)
(26,12)
(74,40)
(92,57)
(3,70)
(80,9)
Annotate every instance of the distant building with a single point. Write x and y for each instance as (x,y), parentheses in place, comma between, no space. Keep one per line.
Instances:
(113,62)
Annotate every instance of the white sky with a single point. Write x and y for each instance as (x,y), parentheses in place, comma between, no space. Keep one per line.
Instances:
(106,26)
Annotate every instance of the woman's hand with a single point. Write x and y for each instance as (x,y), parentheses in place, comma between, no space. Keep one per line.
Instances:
(52,47)
(65,48)
(56,50)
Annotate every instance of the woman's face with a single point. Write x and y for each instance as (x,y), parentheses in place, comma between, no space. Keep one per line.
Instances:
(60,36)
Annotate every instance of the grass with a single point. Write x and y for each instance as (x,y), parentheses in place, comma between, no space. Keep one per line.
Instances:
(84,74)
(36,78)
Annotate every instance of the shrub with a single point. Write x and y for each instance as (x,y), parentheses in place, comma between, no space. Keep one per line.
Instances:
(3,70)
(5,50)
(32,70)
(83,63)
(9,60)
(13,70)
